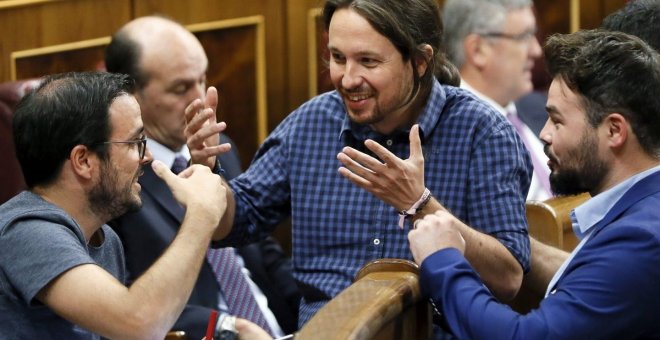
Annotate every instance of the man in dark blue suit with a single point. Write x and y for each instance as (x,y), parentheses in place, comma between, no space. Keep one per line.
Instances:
(169,65)
(602,138)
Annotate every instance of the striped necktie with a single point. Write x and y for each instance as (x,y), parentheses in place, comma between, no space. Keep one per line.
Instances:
(234,285)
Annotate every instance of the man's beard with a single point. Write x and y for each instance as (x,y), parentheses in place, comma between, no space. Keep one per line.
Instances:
(581,171)
(107,199)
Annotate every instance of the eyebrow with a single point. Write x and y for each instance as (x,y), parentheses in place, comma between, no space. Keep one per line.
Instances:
(552,111)
(138,132)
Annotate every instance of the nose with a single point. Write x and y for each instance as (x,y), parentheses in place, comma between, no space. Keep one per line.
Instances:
(352,77)
(148,157)
(545,135)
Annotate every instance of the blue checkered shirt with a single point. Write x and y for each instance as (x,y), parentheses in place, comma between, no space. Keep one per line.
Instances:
(475,165)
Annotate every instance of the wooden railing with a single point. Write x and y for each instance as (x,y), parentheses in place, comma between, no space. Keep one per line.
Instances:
(384,302)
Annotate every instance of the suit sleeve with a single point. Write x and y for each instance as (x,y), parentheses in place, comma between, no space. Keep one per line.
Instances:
(614,277)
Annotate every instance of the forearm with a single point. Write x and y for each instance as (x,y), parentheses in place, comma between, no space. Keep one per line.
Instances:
(546,260)
(227,220)
(89,296)
(498,268)
(160,294)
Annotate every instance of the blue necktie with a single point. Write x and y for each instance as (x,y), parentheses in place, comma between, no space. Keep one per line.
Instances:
(180,164)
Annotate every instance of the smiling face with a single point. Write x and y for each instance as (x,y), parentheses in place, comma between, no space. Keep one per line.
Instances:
(572,144)
(117,190)
(369,72)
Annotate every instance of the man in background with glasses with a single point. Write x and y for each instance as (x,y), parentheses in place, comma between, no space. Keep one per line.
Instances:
(80,142)
(493,43)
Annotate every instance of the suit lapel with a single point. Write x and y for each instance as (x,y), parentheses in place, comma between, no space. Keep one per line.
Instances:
(642,189)
(155,187)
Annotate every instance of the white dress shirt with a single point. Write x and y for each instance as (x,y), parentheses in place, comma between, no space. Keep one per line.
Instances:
(536,190)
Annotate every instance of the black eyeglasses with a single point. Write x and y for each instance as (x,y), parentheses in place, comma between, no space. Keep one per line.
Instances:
(141,143)
(524,37)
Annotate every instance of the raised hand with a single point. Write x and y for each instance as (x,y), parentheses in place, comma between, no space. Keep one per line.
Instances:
(202,130)
(198,189)
(397,182)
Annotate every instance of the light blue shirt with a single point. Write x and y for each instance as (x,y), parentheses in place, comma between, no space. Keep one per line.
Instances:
(589,213)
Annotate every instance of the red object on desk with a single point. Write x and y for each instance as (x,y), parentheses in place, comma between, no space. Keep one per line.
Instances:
(210,329)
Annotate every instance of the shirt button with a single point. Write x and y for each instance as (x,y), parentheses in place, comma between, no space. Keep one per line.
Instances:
(388,142)
(376,241)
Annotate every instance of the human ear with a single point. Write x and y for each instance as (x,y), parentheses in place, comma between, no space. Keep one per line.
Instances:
(423,60)
(476,51)
(83,161)
(618,128)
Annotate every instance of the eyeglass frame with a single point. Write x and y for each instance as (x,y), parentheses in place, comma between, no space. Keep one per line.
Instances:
(142,144)
(524,37)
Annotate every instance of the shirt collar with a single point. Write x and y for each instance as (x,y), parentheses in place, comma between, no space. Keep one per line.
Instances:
(427,120)
(162,153)
(504,110)
(592,211)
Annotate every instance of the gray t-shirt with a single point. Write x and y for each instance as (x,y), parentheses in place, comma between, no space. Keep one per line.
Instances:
(38,242)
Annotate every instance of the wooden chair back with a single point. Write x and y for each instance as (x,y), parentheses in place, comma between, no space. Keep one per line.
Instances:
(384,302)
(549,220)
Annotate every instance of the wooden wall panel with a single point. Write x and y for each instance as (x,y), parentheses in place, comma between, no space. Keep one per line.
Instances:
(298,44)
(237,80)
(592,12)
(189,12)
(32,24)
(79,56)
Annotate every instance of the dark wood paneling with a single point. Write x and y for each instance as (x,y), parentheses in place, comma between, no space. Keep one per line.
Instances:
(27,26)
(77,59)
(235,77)
(592,12)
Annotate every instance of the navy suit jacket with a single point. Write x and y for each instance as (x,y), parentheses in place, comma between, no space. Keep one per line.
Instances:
(147,233)
(609,290)
(531,110)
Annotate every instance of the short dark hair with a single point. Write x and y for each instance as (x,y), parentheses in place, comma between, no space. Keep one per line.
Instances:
(408,24)
(123,56)
(640,18)
(64,111)
(611,72)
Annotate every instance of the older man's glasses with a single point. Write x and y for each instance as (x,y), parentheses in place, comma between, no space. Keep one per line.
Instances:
(141,144)
(524,37)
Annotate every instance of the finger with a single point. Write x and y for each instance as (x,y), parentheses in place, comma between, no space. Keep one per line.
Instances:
(198,120)
(192,169)
(385,155)
(164,172)
(355,167)
(210,151)
(355,179)
(197,139)
(192,109)
(212,98)
(362,158)
(415,143)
